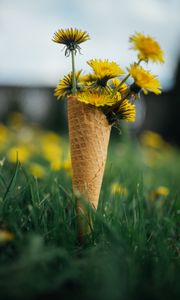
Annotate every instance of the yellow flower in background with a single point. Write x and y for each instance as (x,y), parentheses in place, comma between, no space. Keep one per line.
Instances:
(56,165)
(103,70)
(71,38)
(148,48)
(97,99)
(39,148)
(118,189)
(152,139)
(50,137)
(64,86)
(6,235)
(37,170)
(144,79)
(4,133)
(50,146)
(16,119)
(21,153)
(51,151)
(161,191)
(127,111)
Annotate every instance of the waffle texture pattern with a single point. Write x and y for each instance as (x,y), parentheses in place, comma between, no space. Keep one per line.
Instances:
(89,134)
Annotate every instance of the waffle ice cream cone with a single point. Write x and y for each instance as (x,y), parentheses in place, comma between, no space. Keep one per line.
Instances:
(89,133)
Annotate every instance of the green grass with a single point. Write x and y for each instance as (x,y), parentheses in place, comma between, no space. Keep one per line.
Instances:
(131,253)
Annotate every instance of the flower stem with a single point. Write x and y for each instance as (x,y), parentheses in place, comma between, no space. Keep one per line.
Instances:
(121,83)
(74,89)
(117,88)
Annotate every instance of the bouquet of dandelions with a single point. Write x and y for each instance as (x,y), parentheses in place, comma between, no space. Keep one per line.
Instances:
(96,102)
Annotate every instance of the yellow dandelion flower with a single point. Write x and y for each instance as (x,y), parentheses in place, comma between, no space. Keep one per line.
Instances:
(64,86)
(4,133)
(89,78)
(103,70)
(127,111)
(50,137)
(51,151)
(71,38)
(144,80)
(37,170)
(105,67)
(21,152)
(118,189)
(115,83)
(148,48)
(161,191)
(56,165)
(6,235)
(96,99)
(152,139)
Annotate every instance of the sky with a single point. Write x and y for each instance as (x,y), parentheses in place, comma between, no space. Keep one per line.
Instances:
(29,57)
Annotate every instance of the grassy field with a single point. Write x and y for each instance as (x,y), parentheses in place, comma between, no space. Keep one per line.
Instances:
(133,249)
